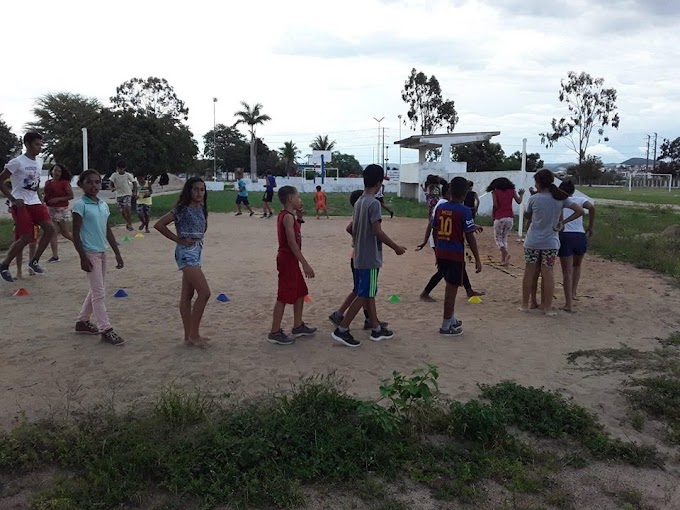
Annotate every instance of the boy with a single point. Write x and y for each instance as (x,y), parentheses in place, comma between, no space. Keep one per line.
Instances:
(144,202)
(242,195)
(452,225)
(292,287)
(270,184)
(25,205)
(368,239)
(380,197)
(320,202)
(124,185)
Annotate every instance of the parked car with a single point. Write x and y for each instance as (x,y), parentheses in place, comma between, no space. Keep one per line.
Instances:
(106,182)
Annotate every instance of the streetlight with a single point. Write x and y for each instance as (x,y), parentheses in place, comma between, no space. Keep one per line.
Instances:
(387,156)
(399,117)
(214,141)
(378,158)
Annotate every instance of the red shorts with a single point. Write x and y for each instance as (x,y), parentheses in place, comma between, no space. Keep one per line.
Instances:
(27,217)
(292,285)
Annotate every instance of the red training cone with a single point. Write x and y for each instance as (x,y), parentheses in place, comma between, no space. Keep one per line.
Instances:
(22,292)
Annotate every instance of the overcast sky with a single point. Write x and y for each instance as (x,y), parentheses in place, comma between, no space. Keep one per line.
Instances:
(323,67)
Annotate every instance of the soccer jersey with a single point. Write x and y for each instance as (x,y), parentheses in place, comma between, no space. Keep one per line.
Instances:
(451,221)
(242,191)
(281,232)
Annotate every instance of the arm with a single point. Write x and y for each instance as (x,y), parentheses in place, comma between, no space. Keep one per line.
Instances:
(495,201)
(162,226)
(149,193)
(428,231)
(78,243)
(472,242)
(578,212)
(591,217)
(519,196)
(385,239)
(292,244)
(476,202)
(114,246)
(4,175)
(349,229)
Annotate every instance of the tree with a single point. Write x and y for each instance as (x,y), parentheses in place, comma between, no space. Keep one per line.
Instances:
(60,117)
(670,157)
(514,161)
(322,143)
(268,159)
(480,157)
(587,171)
(251,116)
(153,97)
(590,105)
(427,109)
(10,144)
(346,164)
(232,147)
(289,154)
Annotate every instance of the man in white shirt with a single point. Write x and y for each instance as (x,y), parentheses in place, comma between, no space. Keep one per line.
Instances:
(25,205)
(124,184)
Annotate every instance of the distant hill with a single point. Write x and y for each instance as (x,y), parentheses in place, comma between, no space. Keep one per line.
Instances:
(555,166)
(635,162)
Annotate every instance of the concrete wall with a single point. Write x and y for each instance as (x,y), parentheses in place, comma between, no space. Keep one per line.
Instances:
(331,185)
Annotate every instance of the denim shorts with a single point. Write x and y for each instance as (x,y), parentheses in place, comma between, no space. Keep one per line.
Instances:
(186,256)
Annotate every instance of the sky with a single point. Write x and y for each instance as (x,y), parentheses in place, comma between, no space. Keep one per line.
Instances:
(331,67)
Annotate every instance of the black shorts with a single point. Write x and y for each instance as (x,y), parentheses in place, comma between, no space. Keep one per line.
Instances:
(268,196)
(453,272)
(241,200)
(573,243)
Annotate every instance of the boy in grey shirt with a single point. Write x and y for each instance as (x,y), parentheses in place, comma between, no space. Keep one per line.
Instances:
(368,238)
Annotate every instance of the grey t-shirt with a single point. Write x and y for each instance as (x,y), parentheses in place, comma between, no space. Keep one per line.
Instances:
(546,213)
(367,247)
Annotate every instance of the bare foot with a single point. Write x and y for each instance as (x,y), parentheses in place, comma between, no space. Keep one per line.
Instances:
(195,342)
(568,310)
(427,298)
(523,310)
(575,298)
(534,306)
(506,262)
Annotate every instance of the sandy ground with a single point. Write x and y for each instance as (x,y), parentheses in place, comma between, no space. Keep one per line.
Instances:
(46,369)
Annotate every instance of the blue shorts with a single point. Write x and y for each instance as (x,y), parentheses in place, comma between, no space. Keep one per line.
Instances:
(186,256)
(573,243)
(366,282)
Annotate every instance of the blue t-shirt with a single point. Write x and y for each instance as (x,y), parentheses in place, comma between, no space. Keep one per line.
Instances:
(271,184)
(242,191)
(95,217)
(451,221)
(190,222)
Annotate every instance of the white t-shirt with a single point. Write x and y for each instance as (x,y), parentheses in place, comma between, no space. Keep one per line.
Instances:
(577,224)
(25,178)
(123,183)
(439,202)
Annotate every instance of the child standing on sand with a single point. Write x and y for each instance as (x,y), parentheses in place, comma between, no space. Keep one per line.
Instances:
(503,193)
(91,232)
(190,216)
(320,202)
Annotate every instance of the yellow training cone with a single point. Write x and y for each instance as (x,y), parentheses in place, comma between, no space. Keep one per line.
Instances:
(475,300)
(140,235)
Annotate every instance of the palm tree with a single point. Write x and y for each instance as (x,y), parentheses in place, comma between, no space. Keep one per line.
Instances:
(289,153)
(322,143)
(252,117)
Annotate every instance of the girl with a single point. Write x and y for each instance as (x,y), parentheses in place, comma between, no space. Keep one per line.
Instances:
(544,213)
(503,193)
(432,192)
(471,200)
(190,216)
(573,245)
(144,202)
(57,195)
(91,231)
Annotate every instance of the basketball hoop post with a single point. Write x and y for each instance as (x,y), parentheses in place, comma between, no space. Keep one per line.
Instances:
(323,170)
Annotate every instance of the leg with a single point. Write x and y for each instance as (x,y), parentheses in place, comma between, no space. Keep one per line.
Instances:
(140,215)
(94,302)
(576,274)
(66,230)
(534,289)
(277,317)
(530,273)
(54,243)
(20,261)
(434,281)
(186,296)
(16,248)
(547,290)
(146,221)
(567,281)
(346,303)
(43,243)
(200,284)
(238,206)
(450,301)
(297,312)
(370,308)
(352,311)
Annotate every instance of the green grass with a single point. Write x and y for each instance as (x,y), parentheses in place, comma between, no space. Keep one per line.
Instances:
(263,452)
(659,196)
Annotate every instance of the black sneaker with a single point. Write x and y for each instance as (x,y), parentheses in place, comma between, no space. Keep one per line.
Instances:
(336,318)
(345,338)
(383,334)
(238,214)
(35,267)
(301,221)
(451,331)
(110,337)
(280,338)
(302,330)
(367,324)
(5,275)
(86,327)
(251,213)
(52,259)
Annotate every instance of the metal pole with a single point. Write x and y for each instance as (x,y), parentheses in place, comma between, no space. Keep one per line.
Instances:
(520,230)
(85,164)
(647,163)
(654,160)
(399,117)
(377,154)
(382,147)
(214,141)
(630,181)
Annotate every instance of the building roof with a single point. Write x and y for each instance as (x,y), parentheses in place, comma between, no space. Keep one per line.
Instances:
(435,141)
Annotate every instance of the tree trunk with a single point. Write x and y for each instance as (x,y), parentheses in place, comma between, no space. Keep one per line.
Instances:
(253,159)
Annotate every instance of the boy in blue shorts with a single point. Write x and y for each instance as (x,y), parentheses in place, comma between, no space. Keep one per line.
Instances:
(452,225)
(242,195)
(368,239)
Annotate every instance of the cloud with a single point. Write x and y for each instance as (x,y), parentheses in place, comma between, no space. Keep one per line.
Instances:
(606,153)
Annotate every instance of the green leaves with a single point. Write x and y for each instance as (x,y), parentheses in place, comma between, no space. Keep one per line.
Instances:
(427,109)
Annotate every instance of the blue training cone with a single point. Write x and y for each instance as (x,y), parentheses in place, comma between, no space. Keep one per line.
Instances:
(120,293)
(223,298)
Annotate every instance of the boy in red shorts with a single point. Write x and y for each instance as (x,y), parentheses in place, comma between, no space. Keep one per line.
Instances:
(25,205)
(292,287)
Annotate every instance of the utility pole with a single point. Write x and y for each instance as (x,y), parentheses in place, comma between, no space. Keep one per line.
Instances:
(399,117)
(377,154)
(214,141)
(647,164)
(387,157)
(383,149)
(654,160)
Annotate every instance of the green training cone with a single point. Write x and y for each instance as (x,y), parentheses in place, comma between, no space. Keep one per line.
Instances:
(394,299)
